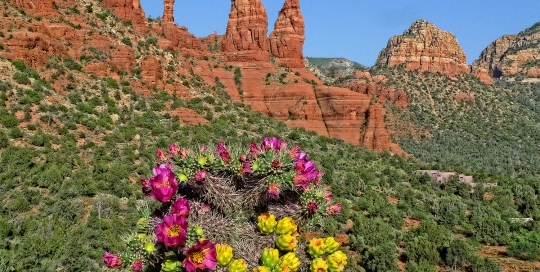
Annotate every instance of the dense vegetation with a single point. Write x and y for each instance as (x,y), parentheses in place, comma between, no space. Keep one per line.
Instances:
(55,185)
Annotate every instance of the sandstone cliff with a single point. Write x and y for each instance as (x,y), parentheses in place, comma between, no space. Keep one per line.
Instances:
(287,38)
(36,7)
(246,36)
(129,10)
(168,11)
(491,56)
(425,47)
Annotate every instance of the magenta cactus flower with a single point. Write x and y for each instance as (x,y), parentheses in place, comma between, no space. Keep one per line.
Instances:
(334,209)
(273,190)
(200,176)
(172,231)
(205,208)
(203,148)
(302,156)
(174,150)
(161,156)
(223,153)
(246,169)
(276,164)
(164,184)
(301,181)
(328,196)
(162,168)
(181,207)
(271,144)
(254,150)
(184,153)
(201,256)
(146,187)
(295,152)
(312,207)
(112,261)
(137,265)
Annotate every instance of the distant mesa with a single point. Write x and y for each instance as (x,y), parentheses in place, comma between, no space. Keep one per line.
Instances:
(513,55)
(426,48)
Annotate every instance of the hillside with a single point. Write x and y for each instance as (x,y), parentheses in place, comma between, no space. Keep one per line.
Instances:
(90,89)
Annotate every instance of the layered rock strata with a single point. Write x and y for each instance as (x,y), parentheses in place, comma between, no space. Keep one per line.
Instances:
(424,47)
(287,38)
(129,10)
(246,35)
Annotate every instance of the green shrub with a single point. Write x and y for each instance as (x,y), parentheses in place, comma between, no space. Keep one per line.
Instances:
(21,78)
(72,64)
(111,83)
(525,246)
(381,258)
(421,250)
(8,120)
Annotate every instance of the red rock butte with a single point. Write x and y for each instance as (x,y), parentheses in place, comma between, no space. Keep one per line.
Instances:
(426,48)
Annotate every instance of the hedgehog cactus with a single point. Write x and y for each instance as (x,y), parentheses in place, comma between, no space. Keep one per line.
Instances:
(262,269)
(287,242)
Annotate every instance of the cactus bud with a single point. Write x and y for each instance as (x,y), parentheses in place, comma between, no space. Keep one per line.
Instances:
(238,265)
(331,245)
(270,257)
(289,261)
(267,223)
(286,226)
(318,265)
(224,254)
(336,261)
(316,247)
(286,242)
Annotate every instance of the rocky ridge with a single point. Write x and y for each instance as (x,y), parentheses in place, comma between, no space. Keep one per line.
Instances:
(287,38)
(512,55)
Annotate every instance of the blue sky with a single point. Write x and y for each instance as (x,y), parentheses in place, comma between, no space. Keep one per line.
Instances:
(358,30)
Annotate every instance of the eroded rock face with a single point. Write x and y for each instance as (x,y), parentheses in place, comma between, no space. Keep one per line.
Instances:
(247,29)
(287,38)
(37,7)
(34,48)
(491,56)
(180,36)
(152,72)
(427,48)
(168,11)
(122,58)
(522,56)
(129,10)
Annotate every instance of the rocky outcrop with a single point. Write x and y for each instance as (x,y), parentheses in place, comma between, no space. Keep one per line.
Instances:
(34,48)
(522,57)
(180,37)
(122,58)
(152,73)
(383,94)
(168,11)
(491,56)
(424,47)
(129,10)
(376,136)
(247,29)
(287,39)
(483,75)
(36,7)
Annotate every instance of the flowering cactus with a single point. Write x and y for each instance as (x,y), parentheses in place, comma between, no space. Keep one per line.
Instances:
(313,207)
(174,150)
(270,257)
(224,254)
(181,207)
(318,265)
(238,265)
(164,185)
(273,190)
(266,223)
(111,260)
(200,176)
(316,247)
(161,156)
(337,261)
(289,261)
(286,226)
(201,256)
(331,245)
(137,265)
(286,242)
(172,231)
(334,209)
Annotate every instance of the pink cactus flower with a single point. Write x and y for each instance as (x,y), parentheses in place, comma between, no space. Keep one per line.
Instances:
(184,153)
(146,187)
(200,176)
(172,231)
(112,261)
(201,256)
(301,181)
(295,152)
(174,150)
(137,265)
(334,209)
(328,196)
(271,144)
(181,207)
(203,148)
(246,169)
(223,153)
(205,208)
(243,158)
(164,184)
(162,168)
(161,156)
(273,190)
(254,150)
(302,156)
(312,207)
(276,164)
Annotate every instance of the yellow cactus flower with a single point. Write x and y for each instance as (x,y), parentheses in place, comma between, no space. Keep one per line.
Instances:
(267,223)
(318,265)
(262,269)
(270,257)
(286,242)
(316,247)
(336,261)
(331,245)
(238,265)
(224,254)
(288,263)
(286,226)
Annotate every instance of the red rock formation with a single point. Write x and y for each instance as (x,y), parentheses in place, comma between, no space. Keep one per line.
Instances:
(483,75)
(34,48)
(99,69)
(384,94)
(247,28)
(122,58)
(375,136)
(168,11)
(129,10)
(287,39)
(180,36)
(37,7)
(152,73)
(188,116)
(491,56)
(425,47)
